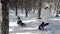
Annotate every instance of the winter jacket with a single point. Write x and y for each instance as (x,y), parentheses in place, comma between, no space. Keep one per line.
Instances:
(45,15)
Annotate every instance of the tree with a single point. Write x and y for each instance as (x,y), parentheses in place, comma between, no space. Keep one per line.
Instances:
(55,6)
(5,17)
(16,7)
(39,11)
(33,1)
(57,9)
(20,5)
(26,7)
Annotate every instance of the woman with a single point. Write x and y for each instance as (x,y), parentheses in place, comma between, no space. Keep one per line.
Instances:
(45,15)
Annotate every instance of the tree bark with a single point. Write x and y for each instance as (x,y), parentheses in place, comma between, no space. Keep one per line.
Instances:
(16,10)
(26,7)
(34,6)
(57,10)
(16,7)
(5,17)
(39,11)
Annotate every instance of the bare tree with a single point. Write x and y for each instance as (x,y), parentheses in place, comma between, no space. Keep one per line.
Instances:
(5,17)
(39,11)
(34,6)
(29,6)
(16,7)
(55,5)
(57,9)
(26,7)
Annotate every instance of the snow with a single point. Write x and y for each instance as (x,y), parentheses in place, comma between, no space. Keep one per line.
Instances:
(32,23)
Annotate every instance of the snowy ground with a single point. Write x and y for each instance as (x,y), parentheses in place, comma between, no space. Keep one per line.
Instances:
(32,23)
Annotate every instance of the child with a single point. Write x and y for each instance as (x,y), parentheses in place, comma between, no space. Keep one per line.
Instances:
(19,22)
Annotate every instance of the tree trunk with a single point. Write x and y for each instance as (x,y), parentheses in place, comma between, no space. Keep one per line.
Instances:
(55,7)
(57,10)
(26,7)
(26,13)
(16,10)
(5,17)
(29,6)
(39,11)
(34,6)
